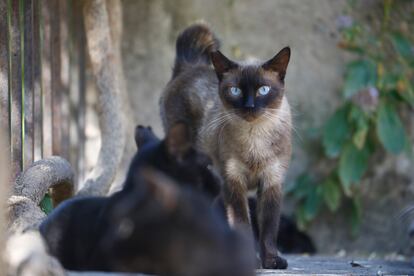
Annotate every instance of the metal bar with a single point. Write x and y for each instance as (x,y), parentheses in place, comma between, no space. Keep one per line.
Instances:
(80,109)
(82,103)
(46,79)
(56,62)
(4,72)
(15,87)
(73,89)
(64,79)
(37,91)
(28,82)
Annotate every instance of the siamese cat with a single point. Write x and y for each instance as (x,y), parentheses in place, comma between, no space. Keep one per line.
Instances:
(290,239)
(154,225)
(240,117)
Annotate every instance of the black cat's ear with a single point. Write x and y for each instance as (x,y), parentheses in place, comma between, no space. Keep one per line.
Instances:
(144,135)
(279,63)
(160,188)
(221,63)
(139,137)
(178,140)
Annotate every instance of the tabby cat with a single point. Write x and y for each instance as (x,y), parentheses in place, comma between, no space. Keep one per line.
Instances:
(240,116)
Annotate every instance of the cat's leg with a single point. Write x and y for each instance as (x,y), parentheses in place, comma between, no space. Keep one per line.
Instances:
(236,204)
(268,213)
(237,211)
(235,194)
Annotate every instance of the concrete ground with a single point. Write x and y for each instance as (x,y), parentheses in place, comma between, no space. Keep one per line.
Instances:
(320,266)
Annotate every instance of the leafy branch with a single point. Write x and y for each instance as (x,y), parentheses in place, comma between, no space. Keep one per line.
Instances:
(378,87)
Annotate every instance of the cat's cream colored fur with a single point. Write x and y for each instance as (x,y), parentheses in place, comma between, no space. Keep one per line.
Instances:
(248,152)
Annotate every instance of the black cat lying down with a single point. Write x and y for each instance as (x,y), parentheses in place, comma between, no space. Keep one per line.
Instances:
(290,239)
(151,226)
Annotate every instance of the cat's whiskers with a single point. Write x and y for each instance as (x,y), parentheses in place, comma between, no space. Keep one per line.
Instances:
(280,119)
(218,122)
(220,133)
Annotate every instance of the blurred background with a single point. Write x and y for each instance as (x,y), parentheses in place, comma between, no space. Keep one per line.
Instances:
(350,83)
(336,47)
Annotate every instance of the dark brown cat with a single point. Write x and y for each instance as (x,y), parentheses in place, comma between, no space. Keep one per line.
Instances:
(239,116)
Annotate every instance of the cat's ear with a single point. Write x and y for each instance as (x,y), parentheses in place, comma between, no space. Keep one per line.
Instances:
(279,63)
(221,63)
(178,140)
(161,188)
(144,135)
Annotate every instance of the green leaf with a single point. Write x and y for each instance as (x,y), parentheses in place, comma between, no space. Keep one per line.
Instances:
(402,45)
(359,74)
(331,194)
(360,137)
(355,216)
(351,47)
(408,94)
(312,203)
(352,165)
(350,35)
(302,186)
(360,120)
(46,204)
(356,114)
(389,81)
(335,132)
(390,129)
(300,217)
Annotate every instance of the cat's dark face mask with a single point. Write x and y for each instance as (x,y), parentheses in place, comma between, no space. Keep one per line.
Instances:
(251,91)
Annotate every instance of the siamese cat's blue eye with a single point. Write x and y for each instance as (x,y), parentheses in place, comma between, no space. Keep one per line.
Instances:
(235,91)
(264,90)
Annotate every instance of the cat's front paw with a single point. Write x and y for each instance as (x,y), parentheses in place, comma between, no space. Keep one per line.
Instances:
(276,262)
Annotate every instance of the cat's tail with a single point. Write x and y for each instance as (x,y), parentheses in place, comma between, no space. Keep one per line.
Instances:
(193,47)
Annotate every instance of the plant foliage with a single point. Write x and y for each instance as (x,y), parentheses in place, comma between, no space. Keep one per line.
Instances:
(378,85)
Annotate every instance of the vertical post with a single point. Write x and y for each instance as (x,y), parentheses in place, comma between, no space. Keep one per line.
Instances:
(28,87)
(74,88)
(15,87)
(81,47)
(4,68)
(64,79)
(60,91)
(46,79)
(56,84)
(77,94)
(37,92)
